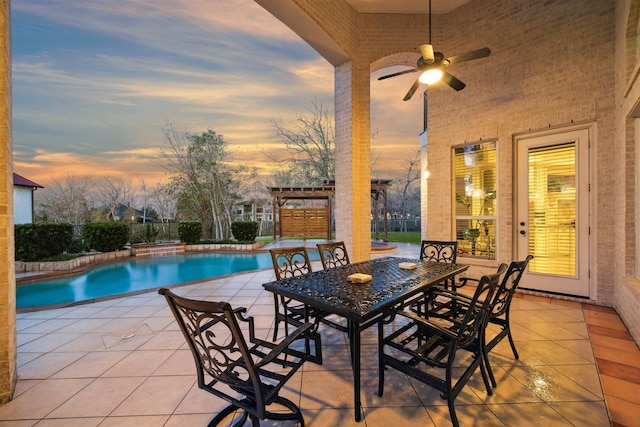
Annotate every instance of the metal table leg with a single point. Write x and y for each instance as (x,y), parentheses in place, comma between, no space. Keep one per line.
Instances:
(354,334)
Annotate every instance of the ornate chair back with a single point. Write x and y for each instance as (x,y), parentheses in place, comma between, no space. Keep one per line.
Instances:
(508,286)
(333,254)
(290,262)
(440,251)
(287,263)
(249,377)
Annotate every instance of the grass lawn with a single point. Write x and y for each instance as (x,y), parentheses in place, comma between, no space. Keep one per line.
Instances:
(398,237)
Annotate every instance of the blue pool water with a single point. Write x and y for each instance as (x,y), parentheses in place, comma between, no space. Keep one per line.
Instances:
(137,275)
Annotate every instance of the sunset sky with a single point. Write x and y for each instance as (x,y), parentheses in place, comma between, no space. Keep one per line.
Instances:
(96,81)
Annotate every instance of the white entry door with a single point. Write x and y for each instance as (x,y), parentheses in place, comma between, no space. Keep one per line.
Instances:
(552,211)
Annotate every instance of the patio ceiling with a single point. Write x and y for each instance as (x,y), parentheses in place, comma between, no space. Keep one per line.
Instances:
(295,18)
(405,6)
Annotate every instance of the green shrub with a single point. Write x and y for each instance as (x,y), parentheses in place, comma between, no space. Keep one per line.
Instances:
(190,232)
(245,231)
(105,236)
(34,242)
(76,246)
(150,233)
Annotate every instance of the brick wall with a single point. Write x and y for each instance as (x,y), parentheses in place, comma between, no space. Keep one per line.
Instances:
(626,290)
(353,176)
(8,372)
(552,64)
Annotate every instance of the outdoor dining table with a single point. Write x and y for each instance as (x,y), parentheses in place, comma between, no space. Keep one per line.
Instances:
(362,304)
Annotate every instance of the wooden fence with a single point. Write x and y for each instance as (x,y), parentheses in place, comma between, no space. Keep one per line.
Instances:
(305,222)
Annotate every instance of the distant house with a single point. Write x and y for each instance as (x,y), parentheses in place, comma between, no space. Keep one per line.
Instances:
(127,213)
(252,210)
(23,199)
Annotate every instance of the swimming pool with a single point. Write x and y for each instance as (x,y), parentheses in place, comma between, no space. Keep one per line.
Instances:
(136,275)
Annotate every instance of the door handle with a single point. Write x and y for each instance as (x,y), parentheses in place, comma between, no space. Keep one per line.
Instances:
(522,232)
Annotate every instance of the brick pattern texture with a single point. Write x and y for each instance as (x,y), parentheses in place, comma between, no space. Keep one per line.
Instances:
(8,370)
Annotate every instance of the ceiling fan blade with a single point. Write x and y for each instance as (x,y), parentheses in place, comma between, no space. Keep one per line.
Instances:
(413,89)
(452,81)
(388,76)
(469,56)
(427,53)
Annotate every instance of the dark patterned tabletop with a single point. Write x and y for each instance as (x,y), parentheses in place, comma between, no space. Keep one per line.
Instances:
(330,291)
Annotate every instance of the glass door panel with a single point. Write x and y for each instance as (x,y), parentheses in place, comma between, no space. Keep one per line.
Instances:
(552,209)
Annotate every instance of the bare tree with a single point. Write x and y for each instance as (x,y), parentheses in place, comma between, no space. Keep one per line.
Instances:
(309,143)
(65,200)
(163,202)
(375,163)
(411,175)
(145,201)
(111,192)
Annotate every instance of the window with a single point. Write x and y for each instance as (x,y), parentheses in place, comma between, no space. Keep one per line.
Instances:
(474,170)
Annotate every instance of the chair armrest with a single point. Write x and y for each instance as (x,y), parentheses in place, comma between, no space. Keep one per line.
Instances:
(463,281)
(443,304)
(452,295)
(426,323)
(239,312)
(421,303)
(284,343)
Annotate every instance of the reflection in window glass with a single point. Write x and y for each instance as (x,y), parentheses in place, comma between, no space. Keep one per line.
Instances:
(474,169)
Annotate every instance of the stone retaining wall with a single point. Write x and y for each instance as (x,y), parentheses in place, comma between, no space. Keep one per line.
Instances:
(225,247)
(143,250)
(27,267)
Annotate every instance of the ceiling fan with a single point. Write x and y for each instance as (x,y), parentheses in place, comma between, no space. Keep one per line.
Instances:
(432,65)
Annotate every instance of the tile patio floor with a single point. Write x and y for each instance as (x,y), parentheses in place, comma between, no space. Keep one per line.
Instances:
(84,366)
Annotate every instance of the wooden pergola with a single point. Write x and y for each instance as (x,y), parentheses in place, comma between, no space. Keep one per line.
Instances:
(316,221)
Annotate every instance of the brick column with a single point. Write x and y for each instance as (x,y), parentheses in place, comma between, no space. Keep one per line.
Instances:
(8,372)
(353,152)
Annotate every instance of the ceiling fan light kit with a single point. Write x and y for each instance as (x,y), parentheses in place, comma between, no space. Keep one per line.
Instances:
(432,64)
(430,76)
(427,53)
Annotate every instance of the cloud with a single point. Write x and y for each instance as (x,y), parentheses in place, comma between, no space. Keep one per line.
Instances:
(95,82)
(45,166)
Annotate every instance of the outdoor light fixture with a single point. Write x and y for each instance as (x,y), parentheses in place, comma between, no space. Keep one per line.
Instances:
(426,174)
(430,76)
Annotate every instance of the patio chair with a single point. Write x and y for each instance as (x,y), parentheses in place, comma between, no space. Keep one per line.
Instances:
(501,309)
(333,254)
(427,349)
(440,251)
(248,377)
(290,262)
